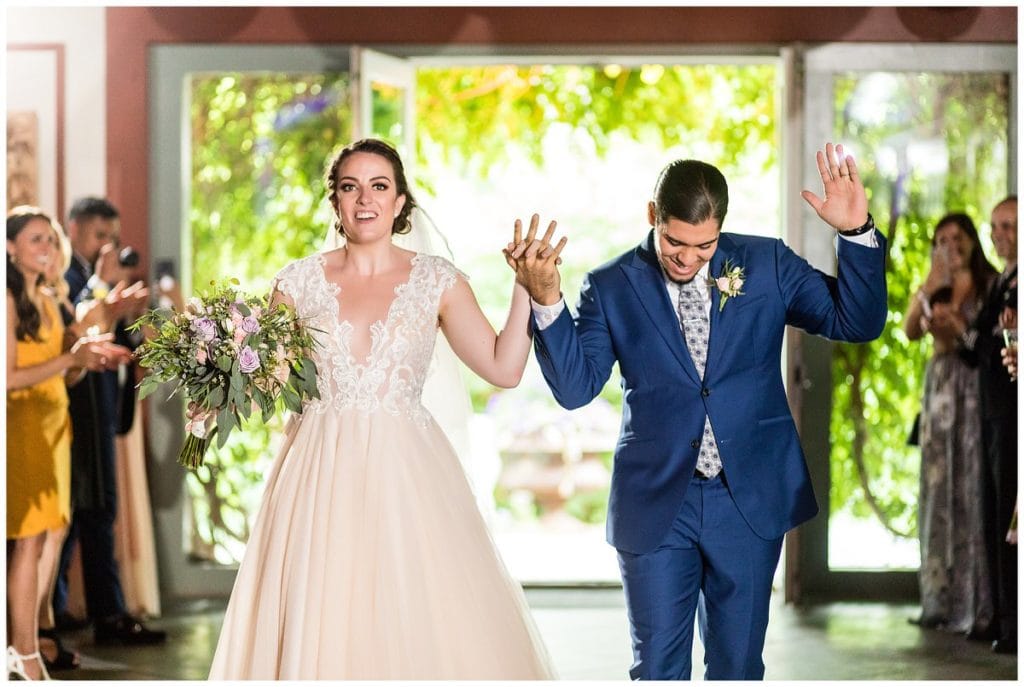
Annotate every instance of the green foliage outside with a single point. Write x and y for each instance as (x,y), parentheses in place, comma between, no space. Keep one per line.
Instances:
(936,144)
(259,146)
(260,141)
(471,115)
(468,118)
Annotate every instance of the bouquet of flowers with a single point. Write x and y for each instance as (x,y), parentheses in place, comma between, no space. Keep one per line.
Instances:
(231,354)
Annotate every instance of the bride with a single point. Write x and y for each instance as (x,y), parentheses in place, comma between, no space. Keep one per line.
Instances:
(369,558)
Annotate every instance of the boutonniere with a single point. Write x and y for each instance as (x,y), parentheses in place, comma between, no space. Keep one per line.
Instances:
(728,283)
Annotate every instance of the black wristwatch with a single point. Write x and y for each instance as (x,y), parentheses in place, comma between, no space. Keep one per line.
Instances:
(862,229)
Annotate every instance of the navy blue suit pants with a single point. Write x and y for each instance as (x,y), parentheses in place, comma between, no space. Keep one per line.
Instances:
(93,530)
(710,564)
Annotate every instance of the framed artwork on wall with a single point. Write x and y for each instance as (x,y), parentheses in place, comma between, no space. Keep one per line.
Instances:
(22,159)
(35,126)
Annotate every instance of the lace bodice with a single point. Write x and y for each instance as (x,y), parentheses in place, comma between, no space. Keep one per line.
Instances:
(391,378)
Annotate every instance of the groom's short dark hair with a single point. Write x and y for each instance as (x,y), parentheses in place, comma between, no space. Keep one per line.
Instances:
(92,206)
(691,191)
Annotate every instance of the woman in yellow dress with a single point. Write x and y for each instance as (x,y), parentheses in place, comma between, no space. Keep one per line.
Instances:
(93,315)
(38,425)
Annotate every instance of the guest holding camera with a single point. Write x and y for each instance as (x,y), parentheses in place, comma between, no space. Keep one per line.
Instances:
(101,407)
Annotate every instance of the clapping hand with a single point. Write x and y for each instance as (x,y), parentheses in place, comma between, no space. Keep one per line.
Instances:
(845,205)
(128,301)
(535,261)
(122,302)
(1010,361)
(98,352)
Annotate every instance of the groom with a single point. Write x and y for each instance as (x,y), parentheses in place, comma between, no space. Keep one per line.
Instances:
(708,472)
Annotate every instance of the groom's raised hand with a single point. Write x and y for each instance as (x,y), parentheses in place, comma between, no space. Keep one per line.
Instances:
(536,261)
(845,205)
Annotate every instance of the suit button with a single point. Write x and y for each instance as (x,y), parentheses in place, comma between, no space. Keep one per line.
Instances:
(695,444)
(705,392)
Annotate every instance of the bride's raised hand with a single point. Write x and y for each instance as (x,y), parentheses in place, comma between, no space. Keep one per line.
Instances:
(512,250)
(515,250)
(537,262)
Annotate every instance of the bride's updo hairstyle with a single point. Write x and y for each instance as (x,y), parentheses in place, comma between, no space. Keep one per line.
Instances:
(402,223)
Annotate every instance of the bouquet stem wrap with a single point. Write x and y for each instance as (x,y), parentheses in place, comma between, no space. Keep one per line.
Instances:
(193,452)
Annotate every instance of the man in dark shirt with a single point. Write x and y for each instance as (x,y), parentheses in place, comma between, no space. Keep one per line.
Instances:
(981,344)
(100,407)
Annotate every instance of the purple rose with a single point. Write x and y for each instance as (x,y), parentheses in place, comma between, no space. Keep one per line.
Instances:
(205,329)
(250,325)
(248,361)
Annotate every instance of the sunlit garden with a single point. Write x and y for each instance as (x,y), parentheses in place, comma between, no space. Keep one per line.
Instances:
(583,145)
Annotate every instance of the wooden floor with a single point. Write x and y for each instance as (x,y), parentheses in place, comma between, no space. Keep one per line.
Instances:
(588,638)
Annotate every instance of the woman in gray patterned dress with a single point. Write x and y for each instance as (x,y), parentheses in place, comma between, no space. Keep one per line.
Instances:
(955,588)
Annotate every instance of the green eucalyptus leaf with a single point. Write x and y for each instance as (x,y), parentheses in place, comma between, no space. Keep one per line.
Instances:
(216,397)
(225,423)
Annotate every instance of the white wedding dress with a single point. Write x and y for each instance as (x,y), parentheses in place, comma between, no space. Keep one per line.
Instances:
(369,558)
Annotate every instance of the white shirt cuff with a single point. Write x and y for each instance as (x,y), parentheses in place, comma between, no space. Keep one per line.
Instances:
(546,314)
(866,239)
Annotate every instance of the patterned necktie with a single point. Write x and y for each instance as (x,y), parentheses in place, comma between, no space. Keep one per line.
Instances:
(694,319)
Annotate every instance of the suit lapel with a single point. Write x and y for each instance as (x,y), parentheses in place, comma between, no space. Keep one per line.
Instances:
(648,282)
(722,320)
(76,276)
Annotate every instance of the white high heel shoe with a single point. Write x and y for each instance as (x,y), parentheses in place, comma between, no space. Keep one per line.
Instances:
(16,665)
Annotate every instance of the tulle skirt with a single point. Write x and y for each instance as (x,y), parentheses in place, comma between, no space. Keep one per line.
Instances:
(370,560)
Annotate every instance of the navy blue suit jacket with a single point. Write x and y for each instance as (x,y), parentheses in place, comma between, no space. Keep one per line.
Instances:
(100,409)
(625,315)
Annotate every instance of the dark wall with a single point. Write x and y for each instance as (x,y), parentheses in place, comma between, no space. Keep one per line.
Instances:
(131,30)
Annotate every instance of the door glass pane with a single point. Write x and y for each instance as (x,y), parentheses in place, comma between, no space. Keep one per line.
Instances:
(937,143)
(259,143)
(582,144)
(494,143)
(387,103)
